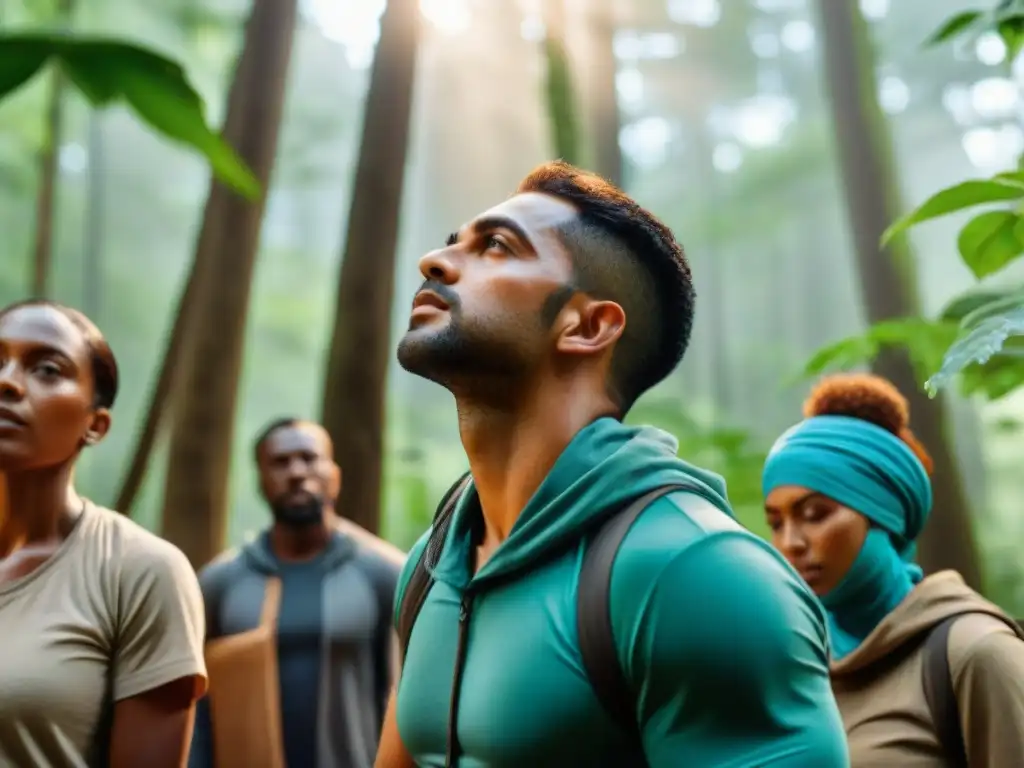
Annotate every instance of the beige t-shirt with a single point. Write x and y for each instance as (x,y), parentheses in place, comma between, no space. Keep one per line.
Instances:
(114,613)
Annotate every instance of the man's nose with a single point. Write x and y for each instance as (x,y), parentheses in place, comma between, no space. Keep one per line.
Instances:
(440,266)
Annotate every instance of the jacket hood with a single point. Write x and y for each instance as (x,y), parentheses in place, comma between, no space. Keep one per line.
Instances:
(936,598)
(605,467)
(258,555)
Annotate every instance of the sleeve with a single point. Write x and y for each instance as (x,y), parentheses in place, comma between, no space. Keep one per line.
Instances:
(386,576)
(990,692)
(728,653)
(161,621)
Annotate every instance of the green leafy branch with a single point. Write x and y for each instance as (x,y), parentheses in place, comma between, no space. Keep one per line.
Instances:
(153,86)
(978,335)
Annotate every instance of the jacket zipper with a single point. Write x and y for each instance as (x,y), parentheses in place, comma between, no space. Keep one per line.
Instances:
(453,749)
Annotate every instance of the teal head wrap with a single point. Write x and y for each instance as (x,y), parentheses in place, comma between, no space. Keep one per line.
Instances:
(861,466)
(871,471)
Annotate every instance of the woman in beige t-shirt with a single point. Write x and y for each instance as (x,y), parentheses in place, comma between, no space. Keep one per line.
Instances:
(101,622)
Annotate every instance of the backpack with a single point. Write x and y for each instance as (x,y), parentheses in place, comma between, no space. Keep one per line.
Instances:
(939,694)
(593,619)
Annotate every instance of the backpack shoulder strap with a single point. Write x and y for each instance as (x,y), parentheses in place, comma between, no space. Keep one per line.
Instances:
(593,612)
(939,693)
(420,581)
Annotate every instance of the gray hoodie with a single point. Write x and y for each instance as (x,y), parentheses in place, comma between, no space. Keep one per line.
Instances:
(356,667)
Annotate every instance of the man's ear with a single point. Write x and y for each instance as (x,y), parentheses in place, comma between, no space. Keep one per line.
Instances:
(589,326)
(334,481)
(98,427)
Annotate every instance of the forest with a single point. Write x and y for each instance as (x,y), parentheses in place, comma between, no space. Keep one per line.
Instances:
(238,194)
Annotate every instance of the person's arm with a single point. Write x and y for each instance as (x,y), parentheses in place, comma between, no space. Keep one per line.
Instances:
(727,651)
(212,580)
(158,669)
(386,575)
(391,751)
(990,691)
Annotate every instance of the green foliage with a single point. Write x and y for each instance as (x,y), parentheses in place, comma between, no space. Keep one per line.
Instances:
(1005,19)
(978,336)
(926,342)
(106,71)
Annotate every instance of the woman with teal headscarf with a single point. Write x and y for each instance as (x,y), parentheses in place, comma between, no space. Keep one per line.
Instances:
(847,493)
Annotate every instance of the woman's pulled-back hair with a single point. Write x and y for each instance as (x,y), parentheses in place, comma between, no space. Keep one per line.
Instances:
(869,398)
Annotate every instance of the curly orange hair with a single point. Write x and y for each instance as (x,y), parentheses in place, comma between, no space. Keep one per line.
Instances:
(870,398)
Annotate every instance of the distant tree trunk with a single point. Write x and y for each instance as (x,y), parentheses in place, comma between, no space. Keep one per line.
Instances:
(95,221)
(49,167)
(196,492)
(561,96)
(357,365)
(888,282)
(603,113)
(160,395)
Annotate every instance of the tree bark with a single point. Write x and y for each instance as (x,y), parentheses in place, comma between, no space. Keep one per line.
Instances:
(561,95)
(196,494)
(887,279)
(604,117)
(160,401)
(356,382)
(49,168)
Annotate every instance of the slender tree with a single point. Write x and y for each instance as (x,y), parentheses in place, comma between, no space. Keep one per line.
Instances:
(205,396)
(559,87)
(49,169)
(357,364)
(887,275)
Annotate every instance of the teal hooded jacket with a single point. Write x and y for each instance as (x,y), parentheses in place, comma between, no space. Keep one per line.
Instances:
(722,643)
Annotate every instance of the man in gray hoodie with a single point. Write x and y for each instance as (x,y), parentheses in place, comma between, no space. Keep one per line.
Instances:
(335,646)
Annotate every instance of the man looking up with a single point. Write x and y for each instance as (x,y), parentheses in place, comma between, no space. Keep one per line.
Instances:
(333,631)
(547,317)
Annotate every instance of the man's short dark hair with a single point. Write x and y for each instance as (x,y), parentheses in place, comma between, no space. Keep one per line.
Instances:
(623,253)
(265,434)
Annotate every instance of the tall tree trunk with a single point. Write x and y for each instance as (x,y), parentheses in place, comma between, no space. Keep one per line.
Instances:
(561,96)
(160,403)
(887,276)
(196,492)
(49,166)
(356,381)
(603,113)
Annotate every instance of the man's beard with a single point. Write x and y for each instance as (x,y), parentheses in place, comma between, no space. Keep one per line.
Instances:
(299,514)
(464,358)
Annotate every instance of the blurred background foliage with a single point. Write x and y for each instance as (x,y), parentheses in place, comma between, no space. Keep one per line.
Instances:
(720,117)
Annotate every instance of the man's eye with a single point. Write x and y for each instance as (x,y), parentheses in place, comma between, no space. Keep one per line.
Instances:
(494,243)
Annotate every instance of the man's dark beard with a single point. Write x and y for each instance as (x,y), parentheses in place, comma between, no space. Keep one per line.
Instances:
(467,353)
(299,514)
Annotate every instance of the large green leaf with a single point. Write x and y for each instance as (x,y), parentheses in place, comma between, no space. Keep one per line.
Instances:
(953,26)
(984,341)
(966,194)
(989,242)
(155,87)
(1011,30)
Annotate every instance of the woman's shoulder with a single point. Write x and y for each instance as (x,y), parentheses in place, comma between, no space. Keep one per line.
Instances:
(131,546)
